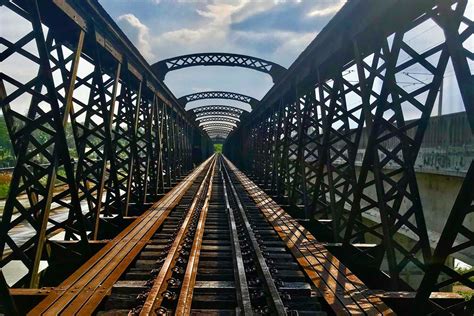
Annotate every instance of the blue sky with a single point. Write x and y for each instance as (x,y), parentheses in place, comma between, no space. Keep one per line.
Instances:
(275,30)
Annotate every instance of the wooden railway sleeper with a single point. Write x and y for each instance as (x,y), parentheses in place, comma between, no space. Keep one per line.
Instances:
(177,257)
(262,231)
(176,268)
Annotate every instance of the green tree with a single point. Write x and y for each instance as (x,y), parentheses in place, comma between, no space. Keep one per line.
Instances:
(6,150)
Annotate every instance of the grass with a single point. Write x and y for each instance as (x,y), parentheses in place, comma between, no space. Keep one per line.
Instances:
(467,295)
(464,271)
(464,291)
(5,179)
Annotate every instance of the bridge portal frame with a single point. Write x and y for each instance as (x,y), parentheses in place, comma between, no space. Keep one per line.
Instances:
(225,95)
(228,108)
(217,113)
(162,67)
(217,119)
(221,126)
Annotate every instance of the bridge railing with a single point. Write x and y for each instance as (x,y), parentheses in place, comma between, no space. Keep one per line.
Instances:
(73,86)
(361,73)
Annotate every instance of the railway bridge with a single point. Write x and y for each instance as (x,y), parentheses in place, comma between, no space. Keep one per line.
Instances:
(339,192)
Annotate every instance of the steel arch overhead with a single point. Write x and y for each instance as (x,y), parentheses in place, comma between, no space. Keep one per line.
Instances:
(208,124)
(227,95)
(214,134)
(217,131)
(217,113)
(220,132)
(218,126)
(207,129)
(216,107)
(162,67)
(217,120)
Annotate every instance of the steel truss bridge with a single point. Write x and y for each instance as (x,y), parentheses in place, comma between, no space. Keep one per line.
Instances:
(117,203)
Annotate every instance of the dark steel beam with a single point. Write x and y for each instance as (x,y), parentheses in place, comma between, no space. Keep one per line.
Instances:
(109,132)
(226,95)
(217,119)
(229,108)
(162,67)
(304,141)
(217,113)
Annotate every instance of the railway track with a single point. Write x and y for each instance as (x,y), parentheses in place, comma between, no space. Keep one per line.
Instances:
(214,254)
(205,248)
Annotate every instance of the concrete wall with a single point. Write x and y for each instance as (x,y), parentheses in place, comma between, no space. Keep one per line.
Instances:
(437,193)
(447,148)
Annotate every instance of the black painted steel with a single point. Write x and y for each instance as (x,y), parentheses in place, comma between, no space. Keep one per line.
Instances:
(226,95)
(303,141)
(94,144)
(162,67)
(86,164)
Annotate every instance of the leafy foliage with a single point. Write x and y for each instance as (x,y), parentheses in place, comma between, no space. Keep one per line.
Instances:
(218,148)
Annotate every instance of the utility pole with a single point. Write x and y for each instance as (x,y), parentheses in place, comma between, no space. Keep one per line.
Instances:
(440,99)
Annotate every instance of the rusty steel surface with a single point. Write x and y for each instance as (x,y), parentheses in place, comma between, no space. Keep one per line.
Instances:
(303,141)
(189,280)
(343,291)
(337,142)
(84,290)
(155,295)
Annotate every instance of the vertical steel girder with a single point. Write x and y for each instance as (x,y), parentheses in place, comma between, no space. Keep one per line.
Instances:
(39,142)
(312,137)
(96,138)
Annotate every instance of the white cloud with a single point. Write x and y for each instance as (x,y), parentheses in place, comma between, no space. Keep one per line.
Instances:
(327,10)
(142,34)
(213,35)
(250,8)
(293,47)
(211,29)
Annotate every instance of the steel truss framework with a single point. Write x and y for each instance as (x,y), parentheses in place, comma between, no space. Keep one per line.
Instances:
(217,119)
(100,135)
(226,127)
(218,124)
(162,67)
(218,113)
(228,108)
(226,95)
(303,140)
(218,131)
(207,111)
(221,126)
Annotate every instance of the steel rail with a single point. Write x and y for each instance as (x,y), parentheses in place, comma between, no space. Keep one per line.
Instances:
(187,289)
(342,290)
(85,289)
(243,294)
(155,296)
(275,299)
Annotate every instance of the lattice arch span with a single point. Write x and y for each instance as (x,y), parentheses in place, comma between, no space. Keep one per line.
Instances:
(162,67)
(226,95)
